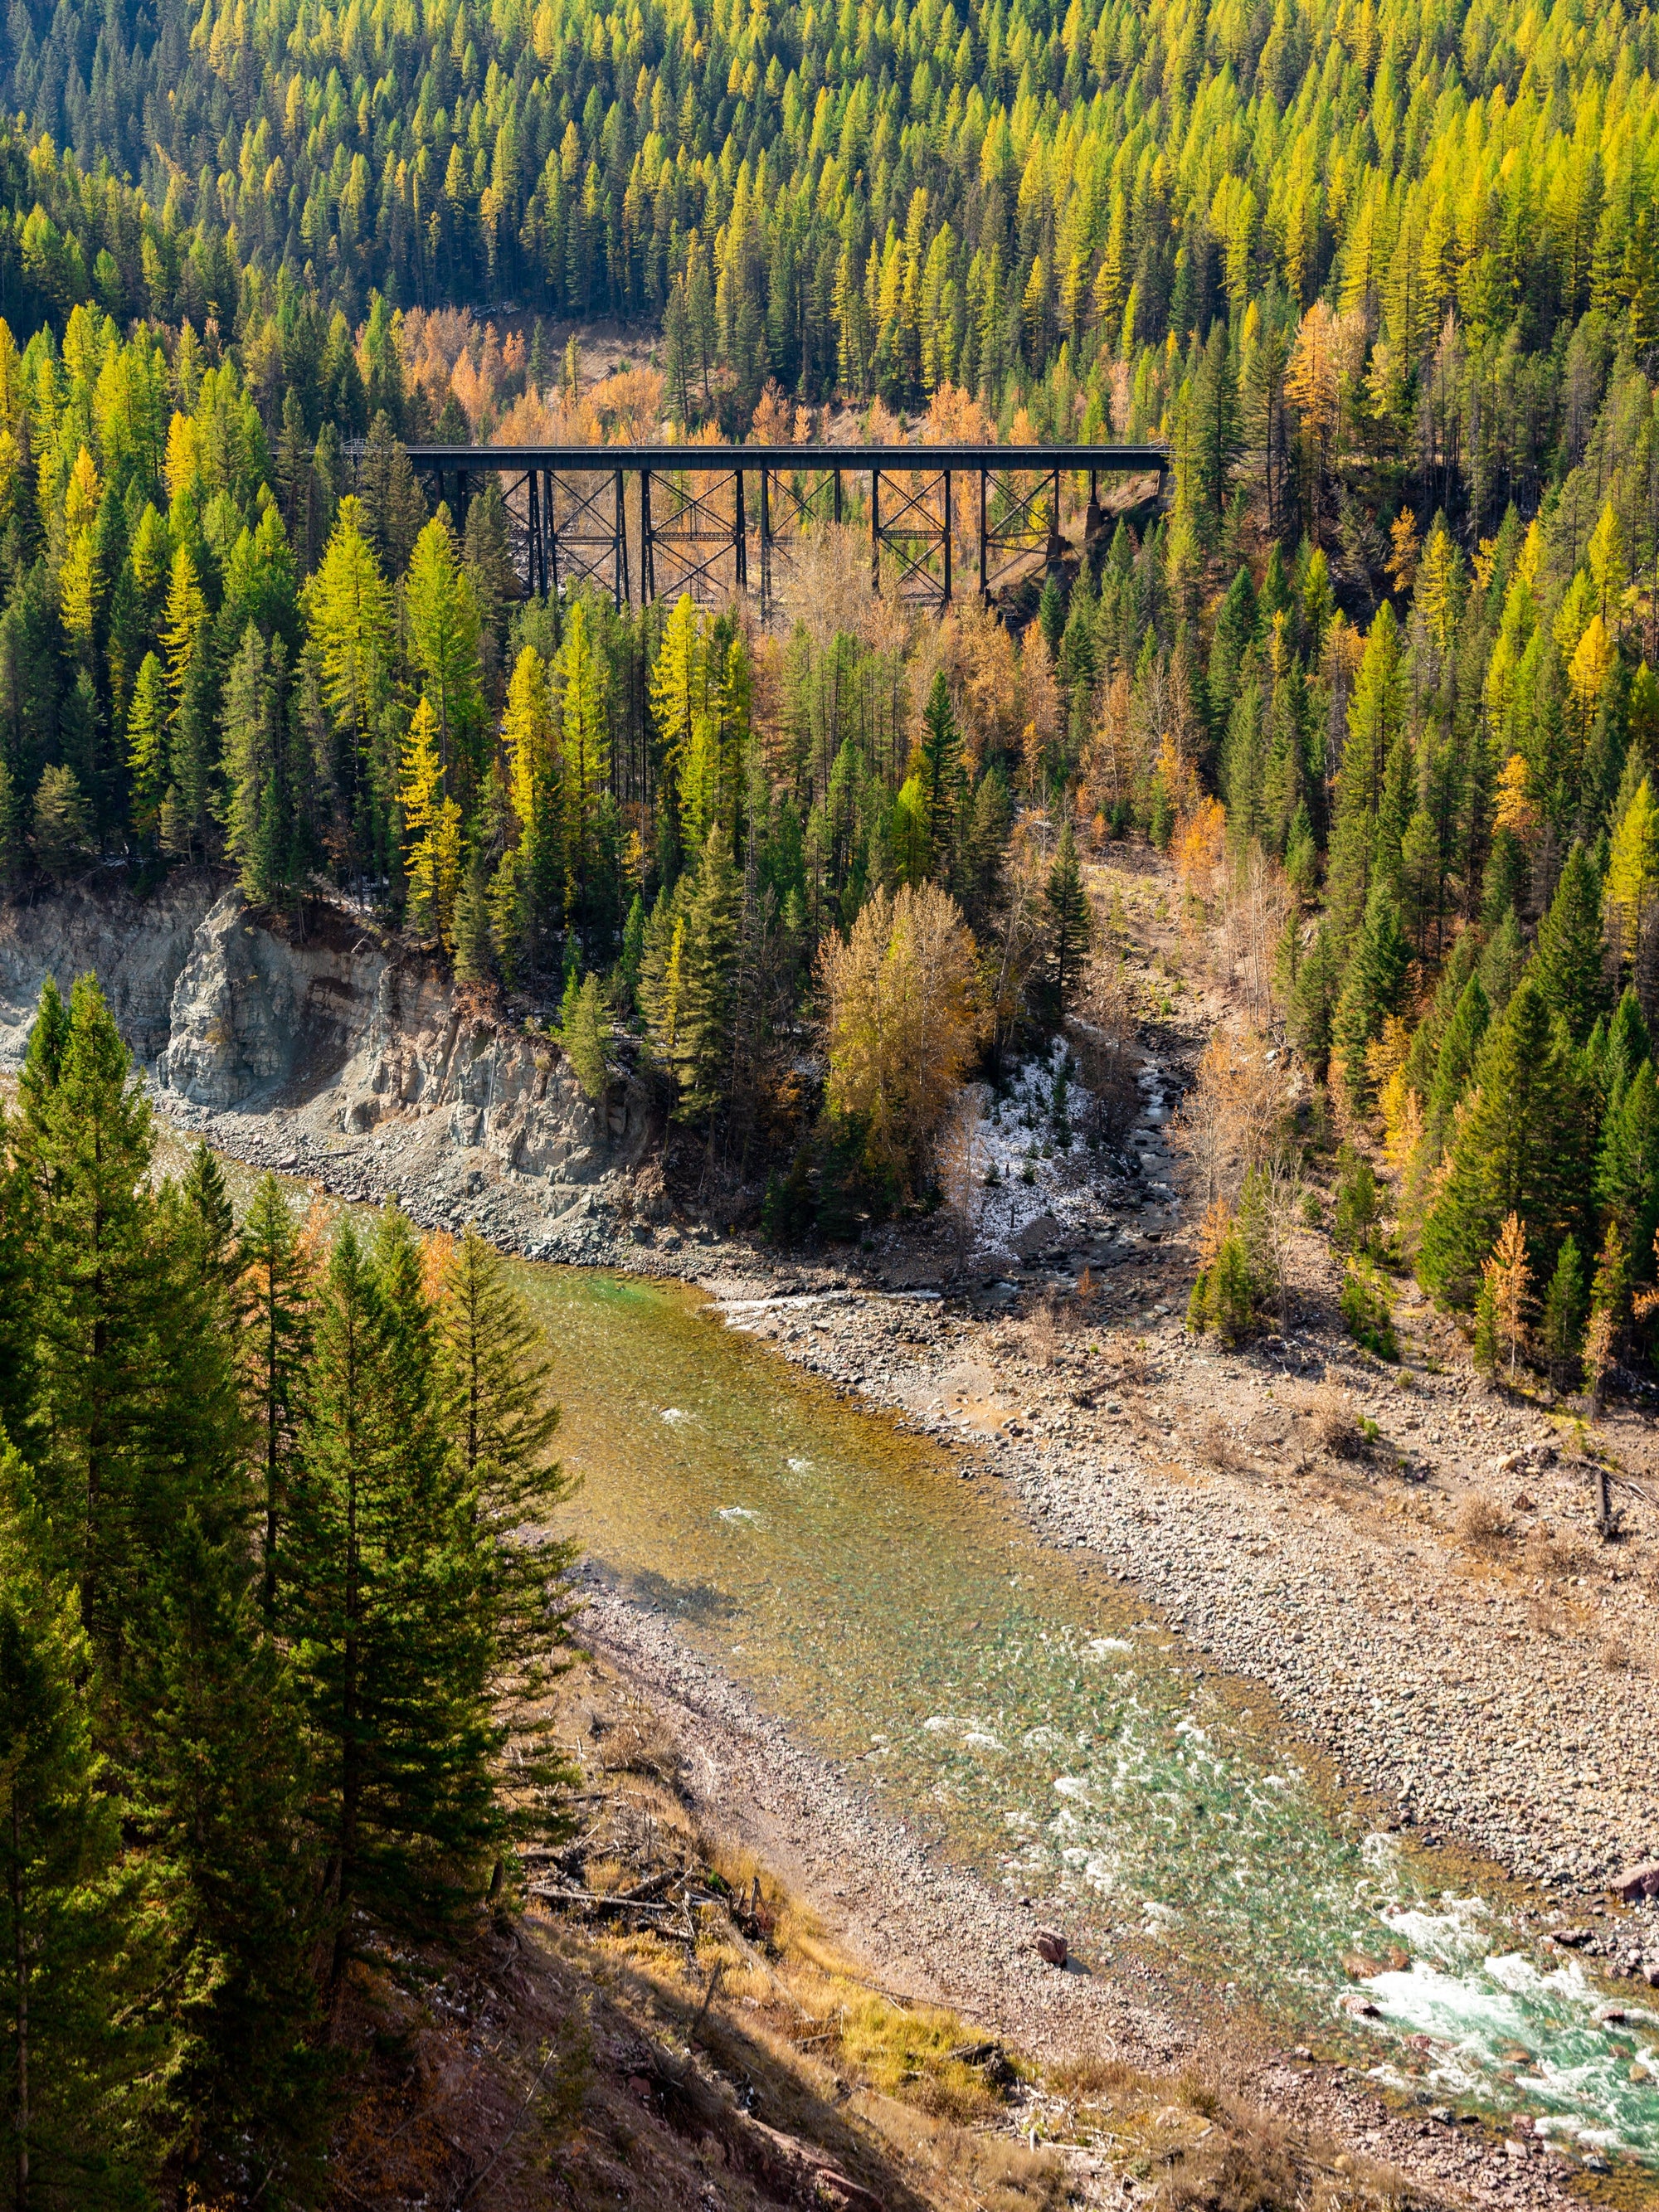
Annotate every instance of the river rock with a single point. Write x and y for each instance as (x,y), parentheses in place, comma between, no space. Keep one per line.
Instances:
(1636,1882)
(1052,1945)
(1038,1237)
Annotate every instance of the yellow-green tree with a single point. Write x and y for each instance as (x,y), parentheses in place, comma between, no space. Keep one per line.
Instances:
(585,751)
(432,829)
(79,583)
(901,1021)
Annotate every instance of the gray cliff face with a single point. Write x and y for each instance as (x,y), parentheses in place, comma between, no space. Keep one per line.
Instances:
(323,1036)
(136,948)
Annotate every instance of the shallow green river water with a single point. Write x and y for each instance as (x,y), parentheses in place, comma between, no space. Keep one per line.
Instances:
(999,1698)
(1020,1712)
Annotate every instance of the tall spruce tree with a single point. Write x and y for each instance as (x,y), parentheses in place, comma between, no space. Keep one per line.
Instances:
(78,2122)
(1370,991)
(707,964)
(136,1407)
(1070,922)
(384,1575)
(1521,1148)
(940,772)
(498,1404)
(1570,963)
(276,1288)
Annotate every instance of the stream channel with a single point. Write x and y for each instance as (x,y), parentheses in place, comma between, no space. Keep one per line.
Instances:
(1027,1716)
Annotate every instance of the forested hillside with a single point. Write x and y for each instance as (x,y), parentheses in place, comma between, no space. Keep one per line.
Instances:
(1387,281)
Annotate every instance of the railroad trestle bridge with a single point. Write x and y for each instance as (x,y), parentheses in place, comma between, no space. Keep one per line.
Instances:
(639,523)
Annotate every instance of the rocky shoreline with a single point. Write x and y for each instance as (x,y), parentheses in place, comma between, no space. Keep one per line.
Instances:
(933,1932)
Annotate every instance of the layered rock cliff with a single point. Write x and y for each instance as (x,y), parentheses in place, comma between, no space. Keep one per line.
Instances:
(326,1045)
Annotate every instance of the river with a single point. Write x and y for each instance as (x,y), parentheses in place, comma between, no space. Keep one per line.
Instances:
(1025,1711)
(1022,1709)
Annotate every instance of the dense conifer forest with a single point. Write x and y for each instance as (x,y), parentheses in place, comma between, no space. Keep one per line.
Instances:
(1385,278)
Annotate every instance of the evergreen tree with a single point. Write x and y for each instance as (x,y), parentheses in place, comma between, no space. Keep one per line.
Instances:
(136,1400)
(940,772)
(1564,1306)
(1455,1063)
(1569,958)
(220,1794)
(1370,991)
(1627,1166)
(276,1289)
(1313,1000)
(383,1579)
(498,1396)
(1071,921)
(77,2116)
(702,1051)
(1521,1148)
(585,1037)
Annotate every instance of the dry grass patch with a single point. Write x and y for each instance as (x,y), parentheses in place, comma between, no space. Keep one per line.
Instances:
(1482,1523)
(1195,2146)
(1337,1428)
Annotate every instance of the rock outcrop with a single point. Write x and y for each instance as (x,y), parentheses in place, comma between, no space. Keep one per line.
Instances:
(137,948)
(312,1036)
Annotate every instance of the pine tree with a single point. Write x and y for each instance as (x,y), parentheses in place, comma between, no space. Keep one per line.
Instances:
(498,1403)
(1627,1045)
(1627,1166)
(702,1050)
(1520,1148)
(1455,1063)
(1071,921)
(443,626)
(77,2111)
(584,1037)
(146,747)
(276,1288)
(1564,1313)
(1569,967)
(940,771)
(253,761)
(1370,991)
(220,1796)
(1313,1000)
(135,1394)
(474,926)
(383,1578)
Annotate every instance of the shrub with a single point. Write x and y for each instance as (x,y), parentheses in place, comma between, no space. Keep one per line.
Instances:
(1481,1520)
(1365,1303)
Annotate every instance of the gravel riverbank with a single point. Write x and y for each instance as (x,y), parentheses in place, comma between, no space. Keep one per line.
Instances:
(929,1930)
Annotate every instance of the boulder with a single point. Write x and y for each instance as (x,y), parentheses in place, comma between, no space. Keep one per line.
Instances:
(1038,1237)
(1636,1882)
(1052,1945)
